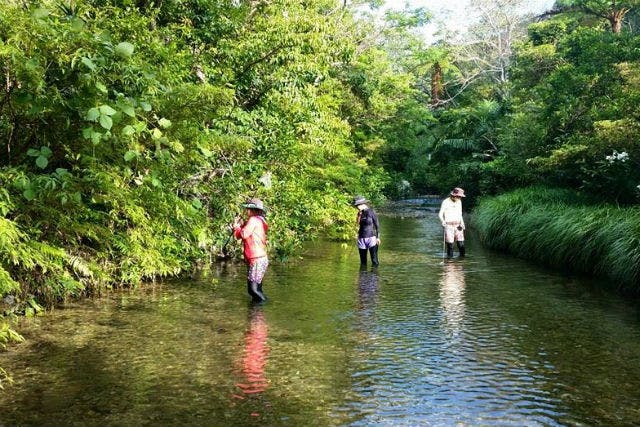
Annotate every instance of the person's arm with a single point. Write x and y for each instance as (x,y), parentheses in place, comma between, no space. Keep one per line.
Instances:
(376,224)
(237,227)
(244,231)
(441,213)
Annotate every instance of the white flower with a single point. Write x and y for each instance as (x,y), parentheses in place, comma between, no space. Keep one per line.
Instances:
(623,157)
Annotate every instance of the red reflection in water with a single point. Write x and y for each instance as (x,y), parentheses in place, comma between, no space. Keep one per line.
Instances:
(256,353)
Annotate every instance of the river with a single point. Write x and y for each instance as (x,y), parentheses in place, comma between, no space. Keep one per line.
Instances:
(419,341)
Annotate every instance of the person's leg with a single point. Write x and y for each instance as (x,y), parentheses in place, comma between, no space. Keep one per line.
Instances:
(250,286)
(363,256)
(449,250)
(373,250)
(449,237)
(256,295)
(459,238)
(257,269)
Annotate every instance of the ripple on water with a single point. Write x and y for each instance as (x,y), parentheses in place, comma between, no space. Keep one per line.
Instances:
(419,341)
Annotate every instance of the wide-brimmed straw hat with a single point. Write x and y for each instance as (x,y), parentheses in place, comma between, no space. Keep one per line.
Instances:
(359,200)
(254,203)
(458,192)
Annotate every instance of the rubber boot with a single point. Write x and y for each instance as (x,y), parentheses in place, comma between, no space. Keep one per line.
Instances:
(374,255)
(449,250)
(256,294)
(363,256)
(461,249)
(261,292)
(250,289)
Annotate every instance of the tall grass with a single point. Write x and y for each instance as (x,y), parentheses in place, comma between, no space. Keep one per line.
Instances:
(561,229)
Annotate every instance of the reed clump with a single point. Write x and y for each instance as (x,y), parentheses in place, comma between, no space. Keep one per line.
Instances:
(564,230)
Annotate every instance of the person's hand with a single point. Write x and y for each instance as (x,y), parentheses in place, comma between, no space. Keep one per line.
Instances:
(379,241)
(237,222)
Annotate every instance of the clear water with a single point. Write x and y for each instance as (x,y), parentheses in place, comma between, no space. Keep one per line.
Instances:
(488,340)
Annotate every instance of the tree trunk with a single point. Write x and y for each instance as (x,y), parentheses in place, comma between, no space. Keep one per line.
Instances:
(436,85)
(615,19)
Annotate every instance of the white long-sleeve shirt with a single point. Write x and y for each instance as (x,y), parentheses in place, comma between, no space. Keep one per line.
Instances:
(451,211)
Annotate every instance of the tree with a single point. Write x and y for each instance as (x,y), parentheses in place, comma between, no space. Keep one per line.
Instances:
(614,11)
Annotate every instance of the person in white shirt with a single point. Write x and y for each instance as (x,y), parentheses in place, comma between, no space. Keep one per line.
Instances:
(451,218)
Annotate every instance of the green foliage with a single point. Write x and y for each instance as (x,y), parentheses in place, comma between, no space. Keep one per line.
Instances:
(572,114)
(133,132)
(549,32)
(562,229)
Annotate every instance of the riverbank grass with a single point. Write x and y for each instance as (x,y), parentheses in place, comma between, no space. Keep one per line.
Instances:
(563,230)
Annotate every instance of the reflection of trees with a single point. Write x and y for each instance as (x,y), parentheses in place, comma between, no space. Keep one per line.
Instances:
(255,355)
(452,296)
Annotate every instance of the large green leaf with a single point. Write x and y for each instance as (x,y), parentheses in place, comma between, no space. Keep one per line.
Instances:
(106,121)
(124,49)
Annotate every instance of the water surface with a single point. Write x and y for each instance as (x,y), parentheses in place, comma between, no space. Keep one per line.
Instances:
(419,341)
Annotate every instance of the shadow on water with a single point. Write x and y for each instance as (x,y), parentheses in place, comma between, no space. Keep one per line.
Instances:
(419,340)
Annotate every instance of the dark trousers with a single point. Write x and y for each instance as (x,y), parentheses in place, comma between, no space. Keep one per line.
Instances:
(374,255)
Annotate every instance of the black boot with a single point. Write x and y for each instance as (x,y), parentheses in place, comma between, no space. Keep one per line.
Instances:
(449,250)
(363,256)
(250,289)
(261,292)
(461,249)
(255,292)
(374,255)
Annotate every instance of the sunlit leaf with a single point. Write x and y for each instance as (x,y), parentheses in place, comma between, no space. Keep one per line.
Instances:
(128,130)
(107,110)
(130,155)
(77,24)
(128,110)
(96,137)
(93,114)
(41,13)
(106,121)
(86,132)
(124,49)
(88,63)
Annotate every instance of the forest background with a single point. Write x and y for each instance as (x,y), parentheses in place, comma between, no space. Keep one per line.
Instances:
(132,130)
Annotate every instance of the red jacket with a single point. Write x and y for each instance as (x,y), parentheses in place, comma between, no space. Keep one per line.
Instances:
(254,237)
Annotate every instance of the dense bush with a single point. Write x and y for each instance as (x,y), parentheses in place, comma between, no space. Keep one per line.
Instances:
(132,132)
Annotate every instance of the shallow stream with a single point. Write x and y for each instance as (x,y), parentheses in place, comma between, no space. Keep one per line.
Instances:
(419,341)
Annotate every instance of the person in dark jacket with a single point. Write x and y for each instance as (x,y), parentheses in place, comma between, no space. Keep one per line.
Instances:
(368,231)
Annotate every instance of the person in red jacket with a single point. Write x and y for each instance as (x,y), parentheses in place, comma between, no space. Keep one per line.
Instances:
(253,233)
